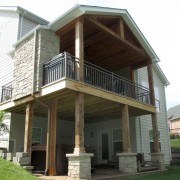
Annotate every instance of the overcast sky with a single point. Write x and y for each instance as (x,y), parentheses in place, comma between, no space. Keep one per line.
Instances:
(159,21)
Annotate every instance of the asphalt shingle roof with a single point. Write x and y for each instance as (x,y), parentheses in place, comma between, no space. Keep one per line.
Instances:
(174,112)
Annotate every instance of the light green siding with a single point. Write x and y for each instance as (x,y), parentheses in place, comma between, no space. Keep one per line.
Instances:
(144,123)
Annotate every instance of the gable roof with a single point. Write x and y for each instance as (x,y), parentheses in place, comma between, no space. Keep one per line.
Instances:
(25,13)
(80,10)
(174,113)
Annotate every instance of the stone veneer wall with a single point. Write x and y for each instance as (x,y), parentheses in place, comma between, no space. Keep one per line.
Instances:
(23,69)
(47,46)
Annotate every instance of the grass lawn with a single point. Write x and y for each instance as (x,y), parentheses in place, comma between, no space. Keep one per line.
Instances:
(173,173)
(175,143)
(11,171)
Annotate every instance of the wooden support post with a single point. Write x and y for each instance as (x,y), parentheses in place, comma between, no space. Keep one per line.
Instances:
(28,128)
(153,115)
(125,129)
(48,142)
(121,28)
(79,48)
(132,76)
(133,88)
(51,139)
(79,124)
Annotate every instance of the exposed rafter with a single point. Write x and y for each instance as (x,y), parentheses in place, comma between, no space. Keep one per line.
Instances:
(116,36)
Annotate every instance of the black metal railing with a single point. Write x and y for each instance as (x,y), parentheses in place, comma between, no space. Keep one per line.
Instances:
(65,65)
(110,81)
(6,92)
(60,66)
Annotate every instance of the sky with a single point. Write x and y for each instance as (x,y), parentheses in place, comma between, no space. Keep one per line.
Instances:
(159,21)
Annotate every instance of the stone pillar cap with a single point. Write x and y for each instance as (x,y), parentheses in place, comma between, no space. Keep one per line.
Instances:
(80,155)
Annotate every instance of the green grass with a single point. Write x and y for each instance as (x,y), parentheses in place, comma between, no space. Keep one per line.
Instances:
(175,143)
(11,171)
(173,173)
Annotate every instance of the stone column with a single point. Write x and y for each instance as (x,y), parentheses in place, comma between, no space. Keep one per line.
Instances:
(127,159)
(79,163)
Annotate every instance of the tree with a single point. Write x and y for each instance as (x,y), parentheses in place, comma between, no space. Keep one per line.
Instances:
(3,126)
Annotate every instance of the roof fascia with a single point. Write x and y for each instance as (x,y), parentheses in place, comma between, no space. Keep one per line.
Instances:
(31,16)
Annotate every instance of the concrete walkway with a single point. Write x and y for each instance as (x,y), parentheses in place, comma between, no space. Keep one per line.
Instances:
(53,177)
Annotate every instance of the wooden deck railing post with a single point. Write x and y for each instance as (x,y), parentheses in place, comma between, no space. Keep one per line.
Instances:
(125,129)
(153,115)
(28,128)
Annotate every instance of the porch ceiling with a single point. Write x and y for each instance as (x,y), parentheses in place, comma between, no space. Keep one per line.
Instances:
(102,44)
(96,109)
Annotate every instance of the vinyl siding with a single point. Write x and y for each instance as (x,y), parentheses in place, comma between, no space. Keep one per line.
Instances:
(10,27)
(8,36)
(144,123)
(65,130)
(27,25)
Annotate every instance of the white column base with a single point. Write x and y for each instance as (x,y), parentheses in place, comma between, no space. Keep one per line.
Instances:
(158,158)
(127,162)
(79,166)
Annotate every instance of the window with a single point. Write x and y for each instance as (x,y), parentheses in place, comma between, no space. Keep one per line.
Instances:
(117,141)
(36,135)
(152,140)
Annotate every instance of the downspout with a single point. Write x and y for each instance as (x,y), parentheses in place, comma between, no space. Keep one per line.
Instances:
(34,62)
(21,24)
(42,103)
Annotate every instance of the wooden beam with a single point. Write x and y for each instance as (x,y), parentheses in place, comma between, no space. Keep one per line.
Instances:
(53,116)
(79,123)
(151,83)
(28,128)
(153,115)
(132,75)
(126,130)
(121,28)
(116,36)
(79,47)
(156,146)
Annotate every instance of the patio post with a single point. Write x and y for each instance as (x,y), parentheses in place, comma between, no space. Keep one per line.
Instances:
(157,155)
(127,159)
(125,129)
(79,48)
(153,115)
(28,128)
(51,139)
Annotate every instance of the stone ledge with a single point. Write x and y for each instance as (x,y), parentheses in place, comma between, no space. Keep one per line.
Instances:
(79,155)
(126,154)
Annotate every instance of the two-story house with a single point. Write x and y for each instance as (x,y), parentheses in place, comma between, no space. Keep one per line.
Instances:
(88,86)
(15,22)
